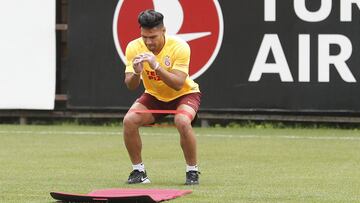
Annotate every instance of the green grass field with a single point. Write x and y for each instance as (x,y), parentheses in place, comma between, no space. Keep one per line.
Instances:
(237,164)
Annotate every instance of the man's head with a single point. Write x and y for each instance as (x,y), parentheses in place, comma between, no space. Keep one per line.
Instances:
(152,30)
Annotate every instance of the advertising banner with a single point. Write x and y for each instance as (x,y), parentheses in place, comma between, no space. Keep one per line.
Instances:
(263,55)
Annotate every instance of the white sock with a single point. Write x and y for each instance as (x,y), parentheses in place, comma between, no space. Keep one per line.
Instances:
(140,167)
(191,168)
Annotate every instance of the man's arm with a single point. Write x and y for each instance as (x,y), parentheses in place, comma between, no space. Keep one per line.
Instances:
(132,80)
(174,79)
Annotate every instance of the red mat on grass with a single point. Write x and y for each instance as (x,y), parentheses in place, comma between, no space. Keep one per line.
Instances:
(122,195)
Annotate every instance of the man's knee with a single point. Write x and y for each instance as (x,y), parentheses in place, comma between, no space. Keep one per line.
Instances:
(131,120)
(182,121)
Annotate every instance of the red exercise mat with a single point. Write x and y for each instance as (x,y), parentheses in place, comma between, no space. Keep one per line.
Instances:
(122,195)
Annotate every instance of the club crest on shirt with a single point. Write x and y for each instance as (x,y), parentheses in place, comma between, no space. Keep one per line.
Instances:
(167,61)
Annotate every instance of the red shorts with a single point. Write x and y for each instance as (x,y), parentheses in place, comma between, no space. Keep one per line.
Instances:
(192,100)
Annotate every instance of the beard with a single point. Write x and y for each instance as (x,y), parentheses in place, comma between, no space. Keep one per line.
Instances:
(151,47)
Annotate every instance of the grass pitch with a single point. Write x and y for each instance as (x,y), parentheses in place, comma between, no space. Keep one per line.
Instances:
(237,164)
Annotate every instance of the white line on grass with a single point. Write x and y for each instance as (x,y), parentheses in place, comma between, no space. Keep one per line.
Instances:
(281,137)
(60,132)
(175,134)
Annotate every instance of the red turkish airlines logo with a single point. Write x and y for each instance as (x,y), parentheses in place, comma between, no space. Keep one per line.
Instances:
(199,22)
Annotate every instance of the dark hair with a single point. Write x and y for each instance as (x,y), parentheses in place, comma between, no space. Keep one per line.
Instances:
(150,19)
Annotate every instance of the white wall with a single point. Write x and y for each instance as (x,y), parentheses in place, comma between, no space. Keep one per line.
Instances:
(27,54)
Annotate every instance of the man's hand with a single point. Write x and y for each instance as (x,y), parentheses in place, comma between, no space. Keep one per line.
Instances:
(132,80)
(151,59)
(137,64)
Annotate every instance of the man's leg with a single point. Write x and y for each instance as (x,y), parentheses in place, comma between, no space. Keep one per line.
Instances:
(187,136)
(132,122)
(188,142)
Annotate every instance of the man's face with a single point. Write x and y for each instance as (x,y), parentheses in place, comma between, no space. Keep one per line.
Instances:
(153,38)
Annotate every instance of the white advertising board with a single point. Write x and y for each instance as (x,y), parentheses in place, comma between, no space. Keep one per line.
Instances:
(27,54)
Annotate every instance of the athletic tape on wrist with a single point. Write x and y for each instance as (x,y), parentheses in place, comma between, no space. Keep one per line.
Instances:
(157,67)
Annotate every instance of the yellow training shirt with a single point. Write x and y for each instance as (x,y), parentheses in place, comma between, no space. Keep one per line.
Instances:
(175,55)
